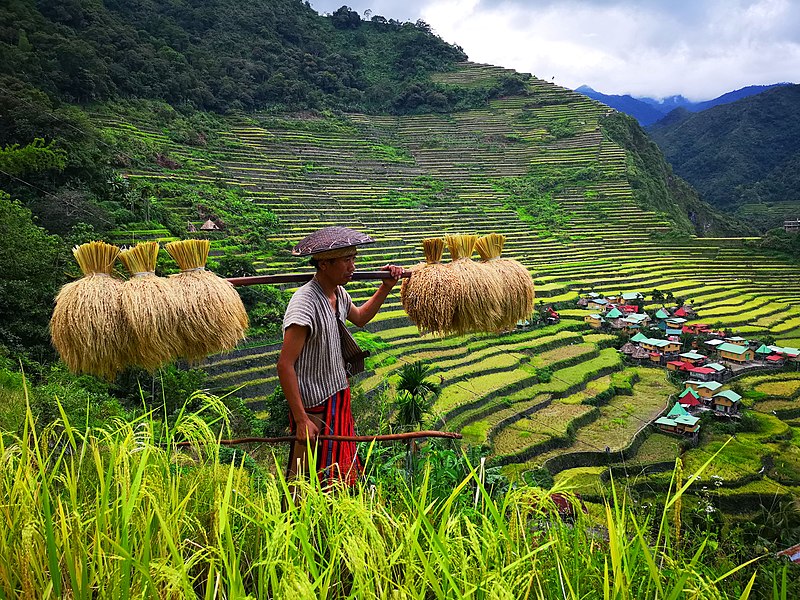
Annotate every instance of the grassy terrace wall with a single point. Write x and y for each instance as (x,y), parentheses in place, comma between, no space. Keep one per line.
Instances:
(402,179)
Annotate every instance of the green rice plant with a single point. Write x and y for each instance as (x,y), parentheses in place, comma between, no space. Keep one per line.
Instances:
(123,513)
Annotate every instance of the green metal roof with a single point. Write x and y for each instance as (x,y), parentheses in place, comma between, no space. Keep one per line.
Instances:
(689,392)
(614,313)
(733,348)
(677,411)
(639,337)
(662,314)
(730,395)
(762,349)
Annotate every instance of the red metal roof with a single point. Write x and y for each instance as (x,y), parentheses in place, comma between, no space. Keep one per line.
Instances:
(774,357)
(702,370)
(679,313)
(679,364)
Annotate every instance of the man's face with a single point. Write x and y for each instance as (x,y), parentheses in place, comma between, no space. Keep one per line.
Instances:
(341,269)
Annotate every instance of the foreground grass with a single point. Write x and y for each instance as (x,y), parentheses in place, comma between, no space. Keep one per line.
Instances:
(122,512)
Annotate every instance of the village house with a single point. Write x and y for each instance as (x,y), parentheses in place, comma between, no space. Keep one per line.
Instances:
(597,304)
(674,325)
(594,320)
(739,354)
(664,346)
(680,422)
(689,399)
(614,313)
(636,320)
(704,389)
(693,358)
(726,402)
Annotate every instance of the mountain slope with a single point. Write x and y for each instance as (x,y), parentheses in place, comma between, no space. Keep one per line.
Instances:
(739,156)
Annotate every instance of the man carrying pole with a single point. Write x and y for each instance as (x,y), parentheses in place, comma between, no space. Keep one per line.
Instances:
(311,367)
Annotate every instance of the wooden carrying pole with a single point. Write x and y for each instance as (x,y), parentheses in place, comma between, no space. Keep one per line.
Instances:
(391,437)
(304,277)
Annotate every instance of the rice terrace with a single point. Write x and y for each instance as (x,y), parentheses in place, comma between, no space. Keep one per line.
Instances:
(635,433)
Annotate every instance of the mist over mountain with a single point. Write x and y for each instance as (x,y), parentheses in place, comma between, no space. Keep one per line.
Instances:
(650,110)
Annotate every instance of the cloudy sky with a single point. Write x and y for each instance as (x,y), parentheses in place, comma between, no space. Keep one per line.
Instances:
(698,48)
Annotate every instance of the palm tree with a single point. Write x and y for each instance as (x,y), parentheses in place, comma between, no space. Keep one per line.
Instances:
(415,393)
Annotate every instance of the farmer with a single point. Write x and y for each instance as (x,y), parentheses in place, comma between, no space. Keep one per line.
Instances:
(311,367)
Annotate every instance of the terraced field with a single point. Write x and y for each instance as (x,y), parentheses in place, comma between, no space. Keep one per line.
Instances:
(402,179)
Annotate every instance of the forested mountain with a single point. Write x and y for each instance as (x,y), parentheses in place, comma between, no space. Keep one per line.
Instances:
(742,157)
(227,55)
(649,110)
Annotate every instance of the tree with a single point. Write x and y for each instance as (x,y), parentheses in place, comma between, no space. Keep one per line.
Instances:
(29,259)
(345,18)
(657,296)
(415,393)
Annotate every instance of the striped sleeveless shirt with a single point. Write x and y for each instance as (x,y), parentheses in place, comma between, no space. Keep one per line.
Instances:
(320,366)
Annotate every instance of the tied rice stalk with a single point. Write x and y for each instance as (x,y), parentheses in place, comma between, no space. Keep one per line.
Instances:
(88,327)
(429,295)
(212,317)
(515,281)
(151,306)
(477,306)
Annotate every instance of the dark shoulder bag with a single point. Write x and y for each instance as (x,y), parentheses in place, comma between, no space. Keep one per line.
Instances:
(352,354)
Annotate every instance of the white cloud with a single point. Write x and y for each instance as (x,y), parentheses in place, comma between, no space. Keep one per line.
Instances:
(698,48)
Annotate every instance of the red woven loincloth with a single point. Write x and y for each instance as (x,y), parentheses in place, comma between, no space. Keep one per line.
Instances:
(336,461)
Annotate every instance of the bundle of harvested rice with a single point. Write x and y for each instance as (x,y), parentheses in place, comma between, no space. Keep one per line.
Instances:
(88,327)
(477,305)
(151,306)
(429,295)
(515,281)
(212,317)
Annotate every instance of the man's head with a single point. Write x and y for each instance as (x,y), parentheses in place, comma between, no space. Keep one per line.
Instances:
(336,265)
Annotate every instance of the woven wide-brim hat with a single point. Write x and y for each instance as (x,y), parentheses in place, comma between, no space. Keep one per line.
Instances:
(331,242)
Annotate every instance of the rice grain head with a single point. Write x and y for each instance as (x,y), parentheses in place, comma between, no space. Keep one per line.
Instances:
(478,305)
(428,296)
(152,308)
(88,328)
(515,281)
(212,317)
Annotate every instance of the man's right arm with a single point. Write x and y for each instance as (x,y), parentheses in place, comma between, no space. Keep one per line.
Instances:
(294,338)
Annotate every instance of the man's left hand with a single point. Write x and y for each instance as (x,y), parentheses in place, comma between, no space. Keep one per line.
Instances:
(396,272)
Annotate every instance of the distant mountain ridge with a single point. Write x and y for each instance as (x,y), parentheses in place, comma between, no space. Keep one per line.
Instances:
(649,110)
(743,157)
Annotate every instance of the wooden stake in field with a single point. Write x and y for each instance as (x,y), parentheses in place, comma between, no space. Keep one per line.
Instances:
(517,299)
(477,305)
(152,308)
(212,316)
(429,295)
(88,327)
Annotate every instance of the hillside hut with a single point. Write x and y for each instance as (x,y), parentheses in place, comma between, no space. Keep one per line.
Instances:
(680,422)
(640,353)
(739,354)
(594,320)
(597,304)
(763,351)
(209,225)
(693,358)
(726,402)
(628,348)
(689,399)
(704,389)
(583,303)
(190,228)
